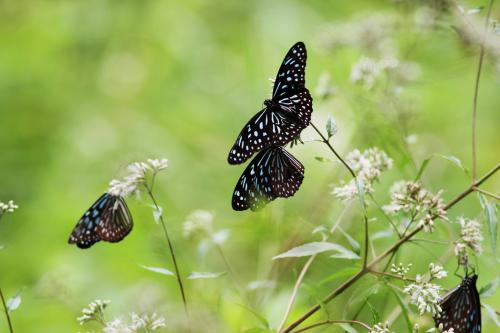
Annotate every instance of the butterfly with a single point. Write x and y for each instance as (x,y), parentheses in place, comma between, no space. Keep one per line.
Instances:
(461,309)
(108,219)
(272,173)
(284,116)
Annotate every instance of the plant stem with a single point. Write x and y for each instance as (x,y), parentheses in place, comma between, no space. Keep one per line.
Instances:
(295,291)
(394,276)
(339,290)
(329,322)
(11,330)
(171,248)
(327,142)
(476,92)
(493,195)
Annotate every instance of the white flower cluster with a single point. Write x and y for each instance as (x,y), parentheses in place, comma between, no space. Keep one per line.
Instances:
(138,323)
(94,311)
(409,197)
(470,236)
(137,173)
(368,166)
(450,330)
(424,295)
(437,272)
(8,207)
(400,269)
(381,328)
(198,221)
(367,70)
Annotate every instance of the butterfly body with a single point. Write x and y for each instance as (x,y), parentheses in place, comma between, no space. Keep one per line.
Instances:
(273,173)
(285,114)
(461,308)
(108,219)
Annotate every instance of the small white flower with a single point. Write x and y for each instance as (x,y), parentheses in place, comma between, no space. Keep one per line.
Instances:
(8,207)
(437,271)
(198,221)
(470,237)
(118,326)
(150,323)
(94,311)
(381,328)
(365,71)
(400,269)
(158,164)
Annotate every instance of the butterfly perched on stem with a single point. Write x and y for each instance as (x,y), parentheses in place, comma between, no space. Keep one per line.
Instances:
(108,219)
(273,173)
(461,308)
(284,116)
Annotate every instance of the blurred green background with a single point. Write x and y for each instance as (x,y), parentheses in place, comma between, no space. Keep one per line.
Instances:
(87,87)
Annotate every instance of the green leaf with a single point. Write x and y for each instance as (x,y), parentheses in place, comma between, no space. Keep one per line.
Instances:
(490,211)
(346,255)
(404,308)
(204,275)
(14,302)
(309,249)
(160,270)
(382,234)
(346,271)
(331,126)
(450,158)
(322,159)
(373,310)
(493,315)
(261,318)
(354,244)
(365,293)
(489,289)
(348,328)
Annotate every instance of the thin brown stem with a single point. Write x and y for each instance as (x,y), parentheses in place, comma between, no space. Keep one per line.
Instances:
(476,92)
(330,322)
(339,290)
(490,194)
(6,310)
(171,249)
(394,276)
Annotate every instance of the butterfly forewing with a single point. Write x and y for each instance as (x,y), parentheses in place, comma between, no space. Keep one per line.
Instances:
(291,75)
(461,308)
(271,174)
(107,219)
(285,115)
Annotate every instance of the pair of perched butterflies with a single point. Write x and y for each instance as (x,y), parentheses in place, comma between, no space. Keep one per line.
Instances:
(274,172)
(461,308)
(108,219)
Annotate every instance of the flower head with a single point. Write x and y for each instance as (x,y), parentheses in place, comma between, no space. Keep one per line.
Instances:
(400,269)
(198,221)
(137,175)
(8,207)
(436,271)
(381,328)
(147,322)
(368,166)
(470,237)
(94,311)
(424,295)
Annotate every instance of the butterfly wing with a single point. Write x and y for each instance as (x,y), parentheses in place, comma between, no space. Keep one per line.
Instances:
(461,308)
(284,117)
(265,129)
(84,234)
(107,219)
(253,189)
(116,222)
(287,174)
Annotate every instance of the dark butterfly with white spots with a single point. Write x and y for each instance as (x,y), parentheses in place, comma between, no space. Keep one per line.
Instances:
(461,308)
(108,219)
(273,173)
(284,116)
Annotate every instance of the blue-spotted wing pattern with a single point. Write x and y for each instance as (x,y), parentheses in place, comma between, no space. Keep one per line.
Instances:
(284,116)
(461,308)
(273,173)
(108,219)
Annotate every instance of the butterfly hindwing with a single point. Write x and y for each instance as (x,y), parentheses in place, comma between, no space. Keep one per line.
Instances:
(461,308)
(271,174)
(107,219)
(284,116)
